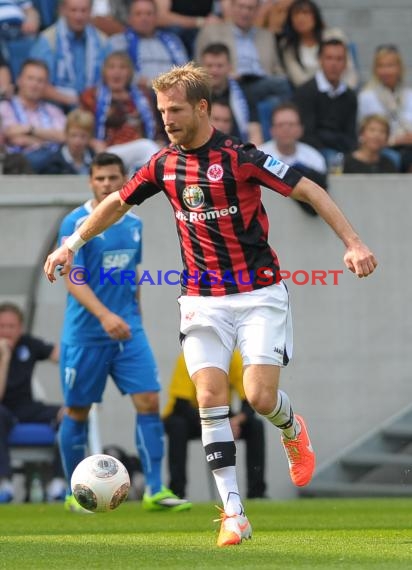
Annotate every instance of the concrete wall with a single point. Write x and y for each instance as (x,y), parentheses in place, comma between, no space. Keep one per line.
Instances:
(352,363)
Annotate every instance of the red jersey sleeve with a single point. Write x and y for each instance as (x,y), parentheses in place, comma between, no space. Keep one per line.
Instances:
(261,168)
(142,185)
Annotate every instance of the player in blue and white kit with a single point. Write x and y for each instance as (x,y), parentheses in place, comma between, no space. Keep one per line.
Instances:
(103,334)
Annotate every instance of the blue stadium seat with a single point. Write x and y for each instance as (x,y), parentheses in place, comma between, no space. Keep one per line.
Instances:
(17,51)
(32,451)
(265,109)
(31,434)
(47,10)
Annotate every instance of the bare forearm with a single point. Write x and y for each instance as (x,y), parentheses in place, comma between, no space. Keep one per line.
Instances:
(108,25)
(5,357)
(27,135)
(6,85)
(87,298)
(56,96)
(55,354)
(358,257)
(309,192)
(2,387)
(4,368)
(111,323)
(103,216)
(55,135)
(20,140)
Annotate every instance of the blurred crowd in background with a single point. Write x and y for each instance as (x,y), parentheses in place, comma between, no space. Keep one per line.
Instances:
(75,79)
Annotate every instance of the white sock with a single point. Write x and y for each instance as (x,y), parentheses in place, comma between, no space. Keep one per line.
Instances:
(226,484)
(283,417)
(217,439)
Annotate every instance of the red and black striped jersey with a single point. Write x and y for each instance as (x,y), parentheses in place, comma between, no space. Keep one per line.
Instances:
(222,225)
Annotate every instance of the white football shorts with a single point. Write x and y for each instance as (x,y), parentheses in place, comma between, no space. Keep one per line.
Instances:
(258,322)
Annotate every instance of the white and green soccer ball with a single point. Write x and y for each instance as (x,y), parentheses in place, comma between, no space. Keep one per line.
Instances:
(100,483)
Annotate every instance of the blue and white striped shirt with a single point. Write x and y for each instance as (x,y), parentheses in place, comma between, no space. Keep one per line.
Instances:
(12,11)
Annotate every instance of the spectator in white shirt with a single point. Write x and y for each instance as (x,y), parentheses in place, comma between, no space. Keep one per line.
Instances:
(286,131)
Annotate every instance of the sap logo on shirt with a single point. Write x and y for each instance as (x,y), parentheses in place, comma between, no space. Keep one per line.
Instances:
(276,166)
(119,258)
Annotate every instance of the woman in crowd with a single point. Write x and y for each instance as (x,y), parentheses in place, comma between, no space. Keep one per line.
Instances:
(368,158)
(386,94)
(125,121)
(299,43)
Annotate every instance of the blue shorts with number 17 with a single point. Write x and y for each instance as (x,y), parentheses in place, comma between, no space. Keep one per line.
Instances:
(84,369)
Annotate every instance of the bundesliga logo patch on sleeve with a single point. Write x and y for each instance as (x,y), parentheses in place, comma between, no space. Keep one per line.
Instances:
(276,166)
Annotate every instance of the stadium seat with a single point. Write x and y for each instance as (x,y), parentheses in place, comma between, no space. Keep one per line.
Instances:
(17,52)
(47,10)
(265,109)
(31,434)
(32,447)
(32,451)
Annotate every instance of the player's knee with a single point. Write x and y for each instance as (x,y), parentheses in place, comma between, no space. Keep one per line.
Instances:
(209,397)
(80,414)
(146,402)
(211,387)
(263,402)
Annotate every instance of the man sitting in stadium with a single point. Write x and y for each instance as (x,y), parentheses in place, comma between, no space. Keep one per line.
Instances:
(19,353)
(32,127)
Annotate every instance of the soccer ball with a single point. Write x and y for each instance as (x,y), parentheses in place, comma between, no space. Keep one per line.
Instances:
(100,483)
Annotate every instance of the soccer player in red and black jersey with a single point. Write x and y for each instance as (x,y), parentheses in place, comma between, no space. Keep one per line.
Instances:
(231,291)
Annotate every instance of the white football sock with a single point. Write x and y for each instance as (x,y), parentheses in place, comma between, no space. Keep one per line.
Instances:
(283,417)
(217,439)
(227,487)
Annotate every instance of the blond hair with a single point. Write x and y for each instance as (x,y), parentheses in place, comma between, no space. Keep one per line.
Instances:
(124,58)
(193,79)
(78,118)
(383,51)
(375,119)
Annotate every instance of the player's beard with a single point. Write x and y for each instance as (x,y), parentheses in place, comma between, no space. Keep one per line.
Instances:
(185,136)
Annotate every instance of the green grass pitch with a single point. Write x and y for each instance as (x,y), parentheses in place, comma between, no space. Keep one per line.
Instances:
(347,534)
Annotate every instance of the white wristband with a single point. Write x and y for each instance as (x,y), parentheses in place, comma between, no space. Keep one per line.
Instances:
(74,242)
